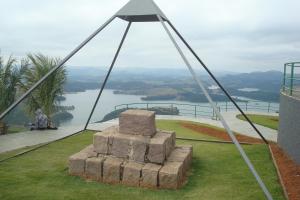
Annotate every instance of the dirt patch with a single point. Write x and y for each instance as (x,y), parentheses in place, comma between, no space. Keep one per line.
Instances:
(219,133)
(290,172)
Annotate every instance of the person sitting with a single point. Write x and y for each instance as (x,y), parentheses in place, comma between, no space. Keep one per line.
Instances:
(41,122)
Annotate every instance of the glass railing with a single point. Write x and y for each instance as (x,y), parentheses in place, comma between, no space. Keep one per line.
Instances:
(291,79)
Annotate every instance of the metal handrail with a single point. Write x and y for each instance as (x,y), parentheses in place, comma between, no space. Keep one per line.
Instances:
(197,110)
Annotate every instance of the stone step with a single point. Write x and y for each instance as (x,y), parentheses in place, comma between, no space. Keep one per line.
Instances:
(109,169)
(182,153)
(112,170)
(160,146)
(77,161)
(135,147)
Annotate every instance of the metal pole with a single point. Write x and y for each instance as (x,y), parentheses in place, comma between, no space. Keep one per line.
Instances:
(107,75)
(292,79)
(230,133)
(61,63)
(284,74)
(218,83)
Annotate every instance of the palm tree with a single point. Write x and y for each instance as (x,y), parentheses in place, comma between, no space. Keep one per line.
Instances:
(45,96)
(10,79)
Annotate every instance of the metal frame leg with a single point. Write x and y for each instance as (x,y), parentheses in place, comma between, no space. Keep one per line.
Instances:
(107,75)
(218,83)
(230,133)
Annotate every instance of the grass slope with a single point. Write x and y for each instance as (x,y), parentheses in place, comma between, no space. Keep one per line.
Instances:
(218,172)
(264,120)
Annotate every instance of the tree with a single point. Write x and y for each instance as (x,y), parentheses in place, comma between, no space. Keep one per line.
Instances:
(46,95)
(10,79)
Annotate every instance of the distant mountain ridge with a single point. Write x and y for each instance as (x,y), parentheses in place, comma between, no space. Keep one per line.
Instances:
(175,84)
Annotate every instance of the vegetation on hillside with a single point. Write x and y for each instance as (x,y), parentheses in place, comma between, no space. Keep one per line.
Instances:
(176,84)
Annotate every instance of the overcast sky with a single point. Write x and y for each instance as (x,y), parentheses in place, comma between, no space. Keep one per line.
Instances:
(229,35)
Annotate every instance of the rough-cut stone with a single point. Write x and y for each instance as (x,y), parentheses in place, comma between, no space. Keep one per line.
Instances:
(149,177)
(181,154)
(170,140)
(189,149)
(173,137)
(160,146)
(103,140)
(132,147)
(132,173)
(89,151)
(137,122)
(138,148)
(121,146)
(137,155)
(93,168)
(112,170)
(157,150)
(170,175)
(77,164)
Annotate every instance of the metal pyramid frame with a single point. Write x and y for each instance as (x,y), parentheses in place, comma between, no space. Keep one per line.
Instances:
(148,11)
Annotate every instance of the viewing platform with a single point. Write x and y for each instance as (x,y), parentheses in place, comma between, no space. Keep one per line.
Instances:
(289,121)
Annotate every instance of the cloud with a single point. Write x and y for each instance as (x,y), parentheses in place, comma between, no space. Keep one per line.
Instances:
(229,35)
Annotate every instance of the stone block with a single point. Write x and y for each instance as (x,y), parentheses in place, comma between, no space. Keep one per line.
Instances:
(89,151)
(138,148)
(102,141)
(77,164)
(160,146)
(181,154)
(149,177)
(170,175)
(189,149)
(112,170)
(132,174)
(137,122)
(121,146)
(170,138)
(157,150)
(93,168)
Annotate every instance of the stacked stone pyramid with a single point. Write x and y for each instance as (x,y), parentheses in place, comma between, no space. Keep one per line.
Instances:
(134,153)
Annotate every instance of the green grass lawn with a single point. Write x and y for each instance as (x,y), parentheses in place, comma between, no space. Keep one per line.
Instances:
(264,120)
(218,172)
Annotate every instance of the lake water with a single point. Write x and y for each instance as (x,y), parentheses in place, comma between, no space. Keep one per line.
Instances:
(84,101)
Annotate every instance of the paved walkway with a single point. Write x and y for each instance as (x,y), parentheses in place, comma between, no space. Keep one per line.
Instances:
(234,123)
(29,138)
